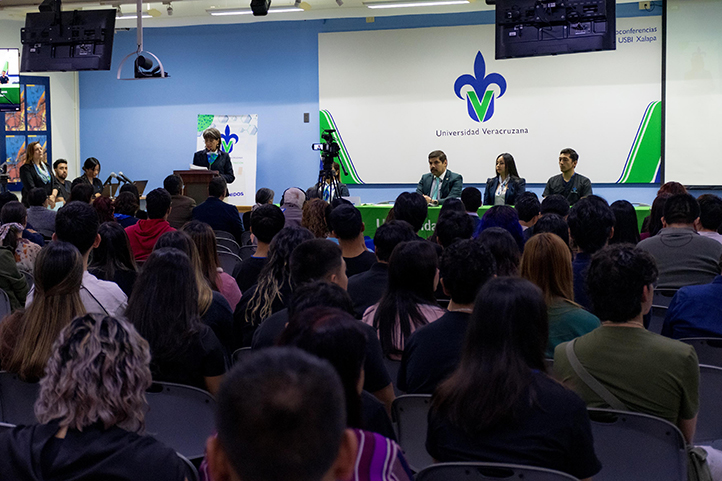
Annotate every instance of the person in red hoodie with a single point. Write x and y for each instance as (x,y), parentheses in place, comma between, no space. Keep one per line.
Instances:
(144,234)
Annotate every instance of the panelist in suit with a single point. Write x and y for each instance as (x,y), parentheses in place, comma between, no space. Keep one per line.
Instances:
(213,157)
(441,183)
(507,186)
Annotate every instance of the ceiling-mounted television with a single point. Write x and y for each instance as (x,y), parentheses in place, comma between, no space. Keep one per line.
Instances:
(528,28)
(9,80)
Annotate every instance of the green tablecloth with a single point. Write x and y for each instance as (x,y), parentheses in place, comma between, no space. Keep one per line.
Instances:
(375,215)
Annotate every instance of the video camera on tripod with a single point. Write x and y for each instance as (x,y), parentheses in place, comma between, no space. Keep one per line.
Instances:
(329,149)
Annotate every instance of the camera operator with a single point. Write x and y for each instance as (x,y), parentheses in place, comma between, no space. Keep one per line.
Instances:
(330,187)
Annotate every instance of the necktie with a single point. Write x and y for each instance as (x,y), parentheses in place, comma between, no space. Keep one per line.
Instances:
(435,189)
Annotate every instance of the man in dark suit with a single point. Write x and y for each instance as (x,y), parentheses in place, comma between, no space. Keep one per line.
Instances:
(181,207)
(441,183)
(213,157)
(218,214)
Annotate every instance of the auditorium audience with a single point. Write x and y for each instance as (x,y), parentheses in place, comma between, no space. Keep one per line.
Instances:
(311,444)
(453,226)
(133,189)
(217,213)
(554,204)
(205,241)
(82,192)
(145,233)
(483,411)
(265,222)
(412,208)
(710,216)
(591,225)
(547,263)
(292,202)
(528,209)
(553,223)
(367,287)
(683,257)
(471,198)
(125,207)
(505,217)
(112,259)
(91,410)
(181,206)
(77,223)
(653,222)
(14,219)
(39,216)
(314,218)
(264,196)
(504,248)
(28,233)
(27,337)
(626,226)
(409,301)
(347,226)
(432,352)
(273,290)
(91,171)
(164,310)
(105,209)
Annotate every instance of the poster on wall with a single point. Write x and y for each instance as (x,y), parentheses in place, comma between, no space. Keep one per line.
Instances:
(37,118)
(404,93)
(239,138)
(14,154)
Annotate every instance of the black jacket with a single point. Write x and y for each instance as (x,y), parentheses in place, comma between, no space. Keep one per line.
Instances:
(516,187)
(222,164)
(31,179)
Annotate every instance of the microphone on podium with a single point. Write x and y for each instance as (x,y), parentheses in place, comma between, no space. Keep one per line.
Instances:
(124,178)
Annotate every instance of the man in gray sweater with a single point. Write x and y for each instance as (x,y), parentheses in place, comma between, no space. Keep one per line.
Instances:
(683,256)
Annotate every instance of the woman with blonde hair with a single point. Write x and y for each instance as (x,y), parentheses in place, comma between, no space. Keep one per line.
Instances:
(27,337)
(547,262)
(314,218)
(35,173)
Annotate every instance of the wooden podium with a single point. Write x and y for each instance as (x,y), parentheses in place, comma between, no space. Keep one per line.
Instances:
(196,183)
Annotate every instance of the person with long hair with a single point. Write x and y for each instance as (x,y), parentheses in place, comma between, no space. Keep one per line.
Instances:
(500,405)
(91,171)
(626,227)
(409,300)
(314,218)
(112,259)
(35,173)
(205,241)
(547,262)
(14,217)
(164,310)
(653,222)
(91,409)
(105,209)
(505,217)
(504,248)
(506,186)
(273,290)
(125,206)
(27,337)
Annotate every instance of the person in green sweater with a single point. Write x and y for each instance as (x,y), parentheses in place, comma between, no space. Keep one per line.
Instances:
(11,280)
(547,262)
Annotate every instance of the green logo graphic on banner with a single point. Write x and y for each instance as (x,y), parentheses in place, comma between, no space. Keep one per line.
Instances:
(326,122)
(480,83)
(645,156)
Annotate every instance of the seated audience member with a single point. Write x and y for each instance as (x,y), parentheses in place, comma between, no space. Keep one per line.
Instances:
(311,444)
(432,352)
(347,226)
(553,223)
(367,287)
(683,257)
(145,233)
(273,290)
(89,423)
(314,218)
(471,197)
(409,301)
(213,308)
(591,224)
(653,222)
(264,196)
(112,259)
(39,216)
(14,219)
(28,233)
(77,223)
(133,189)
(82,192)
(672,188)
(60,168)
(217,214)
(105,209)
(181,206)
(292,202)
(554,204)
(11,280)
(453,226)
(164,310)
(412,208)
(483,411)
(547,263)
(336,336)
(695,311)
(626,227)
(451,205)
(125,207)
(27,337)
(205,241)
(505,217)
(710,216)
(265,222)
(504,248)
(646,372)
(528,209)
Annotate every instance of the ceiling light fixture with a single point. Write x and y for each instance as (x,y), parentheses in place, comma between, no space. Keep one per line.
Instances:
(218,12)
(414,3)
(131,16)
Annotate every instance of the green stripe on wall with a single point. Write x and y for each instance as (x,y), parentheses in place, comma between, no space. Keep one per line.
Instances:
(645,155)
(326,122)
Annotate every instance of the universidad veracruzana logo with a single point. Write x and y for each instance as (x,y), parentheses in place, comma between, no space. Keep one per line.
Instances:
(480,100)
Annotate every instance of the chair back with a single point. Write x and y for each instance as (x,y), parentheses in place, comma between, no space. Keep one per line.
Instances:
(247,251)
(230,244)
(410,412)
(489,471)
(393,369)
(239,353)
(637,447)
(191,471)
(223,234)
(222,248)
(709,349)
(656,319)
(663,297)
(229,262)
(180,416)
(5,427)
(28,278)
(709,418)
(5,307)
(17,399)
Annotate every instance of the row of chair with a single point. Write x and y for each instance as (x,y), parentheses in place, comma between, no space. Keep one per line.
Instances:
(230,254)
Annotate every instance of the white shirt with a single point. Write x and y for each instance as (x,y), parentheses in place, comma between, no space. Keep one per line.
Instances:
(711,235)
(99,297)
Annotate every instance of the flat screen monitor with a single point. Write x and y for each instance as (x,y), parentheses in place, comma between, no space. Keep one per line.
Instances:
(70,41)
(9,80)
(528,28)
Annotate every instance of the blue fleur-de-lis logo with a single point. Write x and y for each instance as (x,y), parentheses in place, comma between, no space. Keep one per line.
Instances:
(228,140)
(480,110)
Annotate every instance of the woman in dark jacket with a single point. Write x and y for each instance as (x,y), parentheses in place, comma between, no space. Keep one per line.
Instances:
(507,186)
(34,173)
(91,170)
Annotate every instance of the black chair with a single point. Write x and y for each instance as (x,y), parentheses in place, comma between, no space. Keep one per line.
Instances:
(239,353)
(637,447)
(709,418)
(709,349)
(410,412)
(549,363)
(229,262)
(28,278)
(247,251)
(17,399)
(663,297)
(487,471)
(191,471)
(5,306)
(5,427)
(230,244)
(393,369)
(656,321)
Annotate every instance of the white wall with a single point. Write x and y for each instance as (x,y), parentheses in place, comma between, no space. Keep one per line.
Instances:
(63,107)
